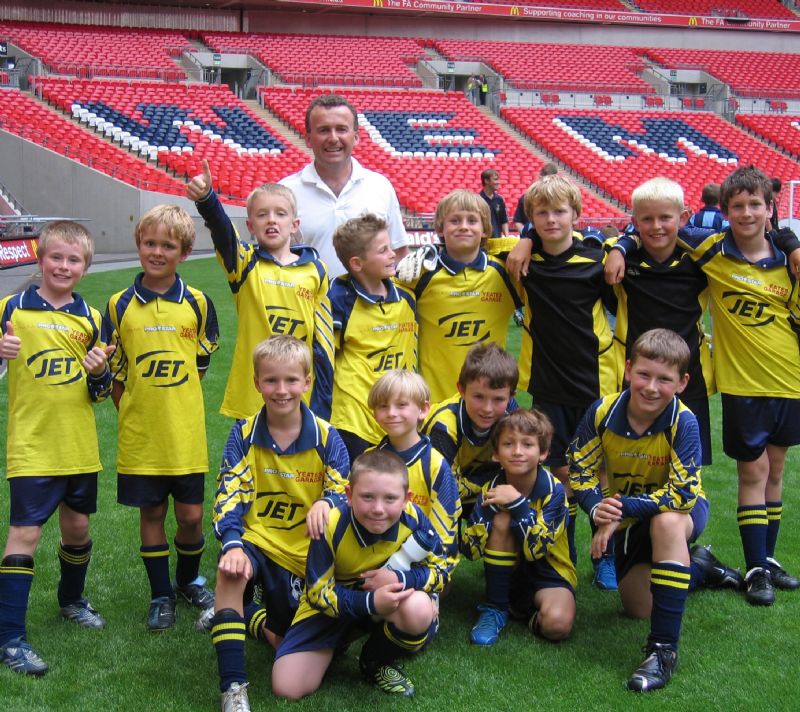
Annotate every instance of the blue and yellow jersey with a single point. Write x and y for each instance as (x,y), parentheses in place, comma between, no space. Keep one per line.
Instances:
(538,524)
(264,493)
(566,354)
(468,452)
(657,471)
(164,342)
(458,306)
(756,319)
(373,335)
(270,299)
(433,489)
(338,558)
(669,295)
(51,427)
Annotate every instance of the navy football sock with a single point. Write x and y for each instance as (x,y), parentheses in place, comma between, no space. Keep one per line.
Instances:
(16,577)
(188,567)
(74,561)
(774,511)
(255,615)
(753,531)
(227,634)
(388,643)
(669,585)
(156,563)
(498,566)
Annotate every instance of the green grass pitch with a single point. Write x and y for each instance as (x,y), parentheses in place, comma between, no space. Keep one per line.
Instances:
(732,656)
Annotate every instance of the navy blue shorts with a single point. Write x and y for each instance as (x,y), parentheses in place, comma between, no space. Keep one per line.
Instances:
(633,545)
(565,420)
(281,589)
(750,423)
(321,632)
(152,490)
(699,406)
(528,579)
(34,499)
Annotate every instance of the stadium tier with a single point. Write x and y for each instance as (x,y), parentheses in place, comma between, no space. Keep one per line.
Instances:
(759,74)
(720,8)
(618,150)
(93,51)
(179,125)
(428,143)
(22,115)
(556,67)
(306,59)
(783,131)
(611,5)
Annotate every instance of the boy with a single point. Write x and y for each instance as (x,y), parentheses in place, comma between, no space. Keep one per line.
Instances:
(467,298)
(566,355)
(754,309)
(400,617)
(460,427)
(664,287)
(518,526)
(282,467)
(56,369)
(709,216)
(648,442)
(375,327)
(165,332)
(277,288)
(400,401)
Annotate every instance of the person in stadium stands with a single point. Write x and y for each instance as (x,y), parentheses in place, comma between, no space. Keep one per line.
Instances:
(490,182)
(709,216)
(335,186)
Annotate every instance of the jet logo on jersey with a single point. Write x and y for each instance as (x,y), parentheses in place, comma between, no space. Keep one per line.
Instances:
(162,369)
(56,365)
(462,325)
(751,311)
(279,506)
(283,321)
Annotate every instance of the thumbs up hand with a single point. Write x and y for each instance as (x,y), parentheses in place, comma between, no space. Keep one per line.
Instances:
(9,344)
(96,359)
(199,187)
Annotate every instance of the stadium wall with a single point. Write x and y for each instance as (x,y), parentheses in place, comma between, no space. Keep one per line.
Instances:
(49,184)
(384,24)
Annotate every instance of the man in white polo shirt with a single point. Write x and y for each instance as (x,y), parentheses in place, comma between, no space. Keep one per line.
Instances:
(336,187)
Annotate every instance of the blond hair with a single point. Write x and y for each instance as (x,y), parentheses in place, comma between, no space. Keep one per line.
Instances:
(273,189)
(399,384)
(462,199)
(552,190)
(353,238)
(177,222)
(658,189)
(71,233)
(283,349)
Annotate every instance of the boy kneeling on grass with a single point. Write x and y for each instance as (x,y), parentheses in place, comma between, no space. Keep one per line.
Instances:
(650,444)
(519,527)
(376,527)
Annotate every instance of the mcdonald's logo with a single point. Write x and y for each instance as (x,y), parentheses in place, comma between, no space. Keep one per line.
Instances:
(692,22)
(514,10)
(377,3)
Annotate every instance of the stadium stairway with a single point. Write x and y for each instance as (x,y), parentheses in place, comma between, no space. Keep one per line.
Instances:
(546,157)
(279,127)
